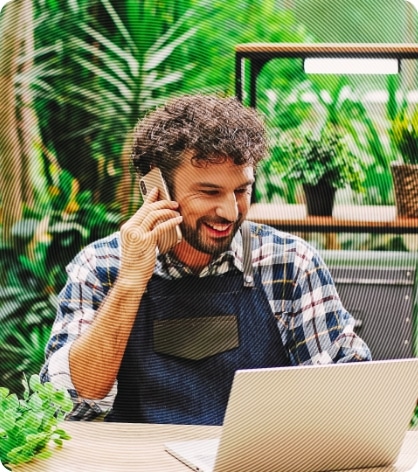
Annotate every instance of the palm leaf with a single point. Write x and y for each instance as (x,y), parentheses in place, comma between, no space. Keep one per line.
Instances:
(154,58)
(117,50)
(110,61)
(119,24)
(106,75)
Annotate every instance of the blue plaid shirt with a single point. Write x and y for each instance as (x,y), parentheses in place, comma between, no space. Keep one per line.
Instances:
(314,326)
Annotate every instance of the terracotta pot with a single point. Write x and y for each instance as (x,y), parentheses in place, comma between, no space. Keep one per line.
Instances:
(319,198)
(405,181)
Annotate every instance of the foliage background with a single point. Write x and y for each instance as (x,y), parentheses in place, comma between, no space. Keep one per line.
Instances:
(76,75)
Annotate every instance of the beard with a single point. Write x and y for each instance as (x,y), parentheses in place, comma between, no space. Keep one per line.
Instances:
(196,237)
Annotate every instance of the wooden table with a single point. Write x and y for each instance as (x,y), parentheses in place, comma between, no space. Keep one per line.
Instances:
(345,218)
(120,447)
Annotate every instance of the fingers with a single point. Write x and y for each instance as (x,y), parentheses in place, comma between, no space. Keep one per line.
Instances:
(141,233)
(161,228)
(151,215)
(158,217)
(152,204)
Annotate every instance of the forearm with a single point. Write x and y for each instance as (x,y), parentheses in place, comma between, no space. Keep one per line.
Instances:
(95,357)
(96,353)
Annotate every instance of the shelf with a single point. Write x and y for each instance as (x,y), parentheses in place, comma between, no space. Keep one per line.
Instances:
(345,219)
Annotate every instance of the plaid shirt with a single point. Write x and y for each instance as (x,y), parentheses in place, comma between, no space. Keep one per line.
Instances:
(314,326)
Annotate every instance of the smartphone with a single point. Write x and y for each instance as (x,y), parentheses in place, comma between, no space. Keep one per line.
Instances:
(153,179)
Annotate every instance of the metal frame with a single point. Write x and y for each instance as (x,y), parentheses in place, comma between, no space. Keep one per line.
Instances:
(260,53)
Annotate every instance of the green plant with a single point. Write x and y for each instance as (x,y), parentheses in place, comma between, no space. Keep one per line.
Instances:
(27,425)
(342,105)
(223,25)
(32,271)
(99,67)
(326,158)
(333,103)
(404,133)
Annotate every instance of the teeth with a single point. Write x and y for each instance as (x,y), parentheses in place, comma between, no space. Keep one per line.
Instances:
(219,227)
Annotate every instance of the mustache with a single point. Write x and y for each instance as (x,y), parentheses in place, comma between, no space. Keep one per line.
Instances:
(218,220)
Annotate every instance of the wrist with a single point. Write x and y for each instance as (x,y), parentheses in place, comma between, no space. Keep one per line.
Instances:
(130,283)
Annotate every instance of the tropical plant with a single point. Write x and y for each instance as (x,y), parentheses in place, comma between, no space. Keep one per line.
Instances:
(28,424)
(100,66)
(404,133)
(32,271)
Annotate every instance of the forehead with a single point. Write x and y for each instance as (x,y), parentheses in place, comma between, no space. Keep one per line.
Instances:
(222,174)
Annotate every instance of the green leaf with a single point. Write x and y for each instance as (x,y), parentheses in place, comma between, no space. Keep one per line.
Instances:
(8,420)
(44,454)
(9,292)
(154,60)
(4,392)
(35,402)
(11,402)
(62,434)
(25,229)
(123,89)
(35,383)
(119,23)
(109,61)
(62,227)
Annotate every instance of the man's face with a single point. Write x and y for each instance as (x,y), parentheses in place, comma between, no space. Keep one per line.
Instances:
(214,200)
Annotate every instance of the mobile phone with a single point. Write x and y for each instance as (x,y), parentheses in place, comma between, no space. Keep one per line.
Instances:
(153,179)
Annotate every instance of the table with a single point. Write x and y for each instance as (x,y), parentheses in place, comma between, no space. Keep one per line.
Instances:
(121,447)
(346,218)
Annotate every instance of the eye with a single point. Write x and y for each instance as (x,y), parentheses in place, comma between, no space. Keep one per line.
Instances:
(210,192)
(242,191)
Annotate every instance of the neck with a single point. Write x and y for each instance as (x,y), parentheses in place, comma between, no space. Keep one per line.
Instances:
(191,257)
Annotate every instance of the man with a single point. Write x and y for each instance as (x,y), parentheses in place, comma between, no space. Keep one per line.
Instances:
(158,336)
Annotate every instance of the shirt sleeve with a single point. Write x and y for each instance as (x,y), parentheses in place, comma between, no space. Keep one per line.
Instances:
(319,330)
(90,276)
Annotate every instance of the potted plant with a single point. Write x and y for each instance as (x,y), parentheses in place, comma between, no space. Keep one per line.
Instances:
(404,134)
(27,425)
(322,165)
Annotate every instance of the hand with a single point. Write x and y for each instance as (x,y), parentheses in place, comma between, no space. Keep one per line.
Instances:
(139,236)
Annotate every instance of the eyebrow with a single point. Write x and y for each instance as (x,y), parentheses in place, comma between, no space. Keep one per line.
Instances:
(212,185)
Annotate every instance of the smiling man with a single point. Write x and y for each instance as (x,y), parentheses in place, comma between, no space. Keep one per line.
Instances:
(146,336)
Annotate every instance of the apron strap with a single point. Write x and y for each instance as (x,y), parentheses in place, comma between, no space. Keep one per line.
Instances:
(247,255)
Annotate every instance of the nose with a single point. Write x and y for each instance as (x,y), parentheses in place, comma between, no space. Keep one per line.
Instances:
(228,208)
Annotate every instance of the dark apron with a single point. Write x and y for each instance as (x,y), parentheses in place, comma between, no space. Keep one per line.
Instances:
(189,338)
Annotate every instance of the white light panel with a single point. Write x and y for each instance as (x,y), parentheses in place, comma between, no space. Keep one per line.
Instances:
(349,66)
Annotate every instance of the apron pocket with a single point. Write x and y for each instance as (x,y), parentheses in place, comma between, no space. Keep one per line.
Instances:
(196,338)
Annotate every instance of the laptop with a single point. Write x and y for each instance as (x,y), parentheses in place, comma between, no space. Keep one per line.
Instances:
(310,418)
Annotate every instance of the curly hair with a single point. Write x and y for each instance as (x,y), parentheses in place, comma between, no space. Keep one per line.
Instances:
(212,129)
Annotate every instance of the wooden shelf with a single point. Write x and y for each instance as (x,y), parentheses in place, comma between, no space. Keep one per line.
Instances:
(345,219)
(395,50)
